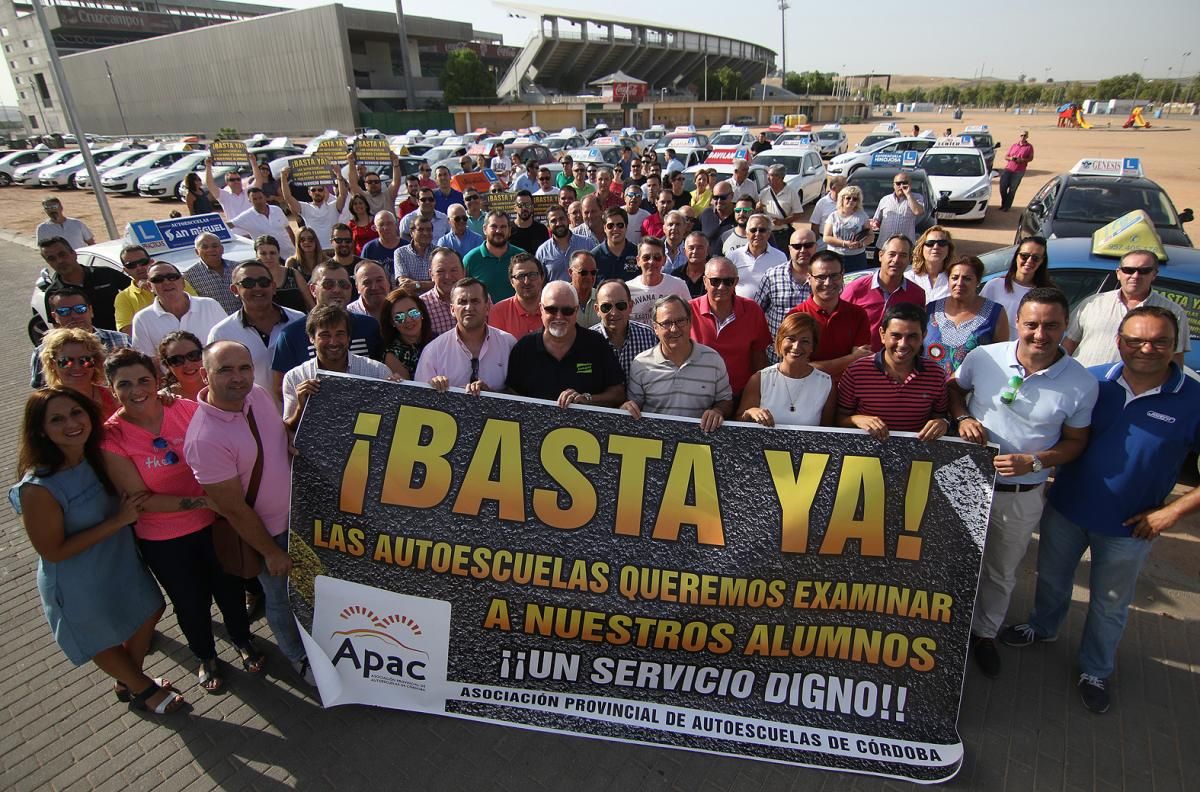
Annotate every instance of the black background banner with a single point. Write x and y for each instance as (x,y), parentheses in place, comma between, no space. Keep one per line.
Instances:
(817,580)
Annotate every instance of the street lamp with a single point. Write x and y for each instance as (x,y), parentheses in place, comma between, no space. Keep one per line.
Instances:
(1182,59)
(783,7)
(1139,80)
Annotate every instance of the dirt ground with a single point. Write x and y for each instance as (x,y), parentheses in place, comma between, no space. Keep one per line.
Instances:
(1170,154)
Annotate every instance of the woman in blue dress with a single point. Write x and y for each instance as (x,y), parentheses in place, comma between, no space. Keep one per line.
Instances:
(963,320)
(100,601)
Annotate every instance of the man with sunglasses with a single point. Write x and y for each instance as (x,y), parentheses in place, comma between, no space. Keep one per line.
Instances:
(427,209)
(615,257)
(476,216)
(732,325)
(330,284)
(691,272)
(520,314)
(555,253)
(67,306)
(173,309)
(1094,321)
(137,295)
(717,218)
(545,183)
(258,322)
(785,285)
(527,233)
(261,218)
(343,247)
(582,271)
(474,355)
(321,211)
(564,362)
(102,284)
(635,214)
(627,339)
(736,237)
(582,188)
(757,257)
(899,211)
(461,239)
(653,283)
(328,330)
(378,199)
(232,198)
(1035,401)
(425,176)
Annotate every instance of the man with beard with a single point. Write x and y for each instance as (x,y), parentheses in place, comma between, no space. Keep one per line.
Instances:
(555,253)
(545,183)
(378,199)
(616,257)
(343,247)
(736,236)
(328,330)
(488,263)
(520,314)
(527,233)
(565,362)
(322,211)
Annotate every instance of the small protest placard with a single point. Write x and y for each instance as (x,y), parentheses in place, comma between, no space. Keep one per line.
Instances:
(333,150)
(228,152)
(372,152)
(310,171)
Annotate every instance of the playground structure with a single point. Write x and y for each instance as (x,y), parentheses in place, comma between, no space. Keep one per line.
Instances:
(1136,120)
(1070,115)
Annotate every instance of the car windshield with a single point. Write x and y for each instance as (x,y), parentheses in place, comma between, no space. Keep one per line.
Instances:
(876,185)
(554,144)
(939,164)
(439,153)
(830,136)
(727,139)
(871,140)
(792,164)
(982,141)
(1103,203)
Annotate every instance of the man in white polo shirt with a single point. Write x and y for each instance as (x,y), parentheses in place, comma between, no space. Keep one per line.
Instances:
(1034,401)
(322,213)
(263,217)
(1091,336)
(173,309)
(258,322)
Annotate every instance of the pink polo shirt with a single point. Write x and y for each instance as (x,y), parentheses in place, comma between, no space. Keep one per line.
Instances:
(161,476)
(219,446)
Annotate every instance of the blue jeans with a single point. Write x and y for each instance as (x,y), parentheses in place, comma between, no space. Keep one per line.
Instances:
(279,610)
(1116,563)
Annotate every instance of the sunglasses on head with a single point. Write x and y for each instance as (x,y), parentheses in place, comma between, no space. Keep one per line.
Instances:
(83,361)
(411,313)
(67,310)
(187,357)
(262,282)
(167,276)
(555,310)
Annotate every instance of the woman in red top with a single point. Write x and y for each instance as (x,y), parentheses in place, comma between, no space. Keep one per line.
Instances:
(143,451)
(73,358)
(362,223)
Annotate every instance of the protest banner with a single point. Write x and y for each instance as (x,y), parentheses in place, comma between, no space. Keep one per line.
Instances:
(228,152)
(310,171)
(506,202)
(334,150)
(800,596)
(372,152)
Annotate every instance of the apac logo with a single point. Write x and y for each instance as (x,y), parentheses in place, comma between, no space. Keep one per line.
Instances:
(385,649)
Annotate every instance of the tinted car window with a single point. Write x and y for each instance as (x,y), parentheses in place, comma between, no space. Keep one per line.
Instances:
(871,140)
(1077,284)
(1186,296)
(792,164)
(1103,203)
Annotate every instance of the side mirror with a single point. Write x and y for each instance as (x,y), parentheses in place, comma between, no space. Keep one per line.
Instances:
(1186,216)
(996,147)
(1036,207)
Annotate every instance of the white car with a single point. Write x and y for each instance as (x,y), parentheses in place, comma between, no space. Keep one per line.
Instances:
(164,182)
(851,161)
(831,140)
(63,174)
(84,182)
(27,175)
(124,178)
(958,173)
(880,133)
(805,170)
(16,159)
(729,135)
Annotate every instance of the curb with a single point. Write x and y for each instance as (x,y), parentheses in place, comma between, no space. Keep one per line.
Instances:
(18,238)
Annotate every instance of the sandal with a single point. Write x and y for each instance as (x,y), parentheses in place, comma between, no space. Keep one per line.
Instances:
(210,675)
(253,661)
(169,704)
(123,694)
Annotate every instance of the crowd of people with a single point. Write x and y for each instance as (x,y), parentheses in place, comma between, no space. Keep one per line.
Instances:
(156,442)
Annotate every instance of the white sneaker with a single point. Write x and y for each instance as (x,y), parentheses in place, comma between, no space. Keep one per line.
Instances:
(302,668)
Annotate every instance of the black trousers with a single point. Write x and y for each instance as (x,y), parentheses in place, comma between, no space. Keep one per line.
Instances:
(1009,182)
(188,571)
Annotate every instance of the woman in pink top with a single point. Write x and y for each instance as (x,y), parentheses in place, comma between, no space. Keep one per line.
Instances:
(143,450)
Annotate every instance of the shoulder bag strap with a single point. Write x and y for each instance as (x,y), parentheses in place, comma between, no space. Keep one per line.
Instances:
(256,474)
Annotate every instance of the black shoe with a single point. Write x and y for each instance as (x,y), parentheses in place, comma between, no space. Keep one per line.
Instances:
(1019,635)
(986,656)
(1094,692)
(254,605)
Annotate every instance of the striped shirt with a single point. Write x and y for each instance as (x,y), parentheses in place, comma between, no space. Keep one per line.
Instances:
(638,338)
(778,293)
(865,388)
(659,386)
(408,263)
(440,318)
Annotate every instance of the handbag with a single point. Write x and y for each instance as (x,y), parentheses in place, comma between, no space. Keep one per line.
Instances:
(234,554)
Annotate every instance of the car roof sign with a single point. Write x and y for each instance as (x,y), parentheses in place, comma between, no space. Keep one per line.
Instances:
(160,236)
(727,155)
(1128,166)
(1132,231)
(976,128)
(956,141)
(890,126)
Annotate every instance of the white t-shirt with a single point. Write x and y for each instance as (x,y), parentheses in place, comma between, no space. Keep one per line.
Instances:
(233,205)
(994,290)
(321,219)
(358,366)
(644,296)
(252,223)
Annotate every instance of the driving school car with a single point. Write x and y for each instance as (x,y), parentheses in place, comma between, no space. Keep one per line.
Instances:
(959,179)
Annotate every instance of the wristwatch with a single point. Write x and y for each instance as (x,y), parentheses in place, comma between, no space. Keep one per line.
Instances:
(1037,464)
(587,397)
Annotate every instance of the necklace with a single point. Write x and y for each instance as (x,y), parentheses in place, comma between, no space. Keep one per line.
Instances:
(787,387)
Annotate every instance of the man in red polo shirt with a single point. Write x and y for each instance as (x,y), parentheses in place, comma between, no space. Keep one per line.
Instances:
(895,390)
(734,326)
(845,329)
(886,287)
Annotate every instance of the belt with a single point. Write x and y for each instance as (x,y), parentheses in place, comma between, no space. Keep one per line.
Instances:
(1016,487)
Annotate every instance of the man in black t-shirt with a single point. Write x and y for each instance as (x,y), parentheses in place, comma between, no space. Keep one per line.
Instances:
(101,284)
(527,233)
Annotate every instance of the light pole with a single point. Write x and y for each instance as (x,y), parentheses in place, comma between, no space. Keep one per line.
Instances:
(783,7)
(1182,59)
(1139,80)
(1163,89)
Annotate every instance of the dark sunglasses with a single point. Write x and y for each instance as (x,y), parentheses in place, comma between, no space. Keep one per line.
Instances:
(81,309)
(555,310)
(262,282)
(135,264)
(802,245)
(329,284)
(1035,257)
(620,305)
(373,181)
(161,443)
(614,225)
(350,240)
(1126,270)
(170,276)
(721,281)
(195,356)
(931,243)
(585,273)
(71,362)
(472,198)
(235,180)
(900,184)
(720,197)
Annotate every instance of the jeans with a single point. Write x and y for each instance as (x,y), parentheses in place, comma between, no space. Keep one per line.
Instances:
(1116,563)
(279,610)
(187,569)
(1009,182)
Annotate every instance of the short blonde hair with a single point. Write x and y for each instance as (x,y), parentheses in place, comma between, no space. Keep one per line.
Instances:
(850,192)
(52,347)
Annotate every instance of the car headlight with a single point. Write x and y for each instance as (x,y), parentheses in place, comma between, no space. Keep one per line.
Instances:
(982,191)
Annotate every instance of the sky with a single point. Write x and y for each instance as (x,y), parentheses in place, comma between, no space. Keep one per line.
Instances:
(1063,39)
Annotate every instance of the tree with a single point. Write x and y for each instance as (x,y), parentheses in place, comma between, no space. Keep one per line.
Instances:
(730,81)
(466,79)
(1121,86)
(809,82)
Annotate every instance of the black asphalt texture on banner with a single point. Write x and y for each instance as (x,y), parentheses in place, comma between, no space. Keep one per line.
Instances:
(950,533)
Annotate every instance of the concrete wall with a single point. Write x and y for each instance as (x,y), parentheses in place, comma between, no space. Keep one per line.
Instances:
(284,73)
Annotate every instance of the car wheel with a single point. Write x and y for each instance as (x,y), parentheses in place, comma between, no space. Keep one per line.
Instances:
(5,179)
(36,329)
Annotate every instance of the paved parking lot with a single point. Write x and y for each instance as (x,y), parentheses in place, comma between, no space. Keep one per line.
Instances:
(61,727)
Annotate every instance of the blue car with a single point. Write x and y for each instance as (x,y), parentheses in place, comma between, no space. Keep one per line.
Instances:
(1080,273)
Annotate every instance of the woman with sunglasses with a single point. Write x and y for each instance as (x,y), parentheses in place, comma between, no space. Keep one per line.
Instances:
(100,601)
(362,222)
(1029,268)
(182,355)
(143,452)
(963,319)
(848,231)
(308,253)
(291,288)
(73,358)
(791,392)
(930,263)
(405,330)
(199,200)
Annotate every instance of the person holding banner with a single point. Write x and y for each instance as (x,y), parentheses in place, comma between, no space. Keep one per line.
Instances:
(328,330)
(792,392)
(474,355)
(521,314)
(896,389)
(378,199)
(1035,401)
(262,218)
(678,376)
(565,363)
(321,212)
(627,339)
(1116,510)
(232,198)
